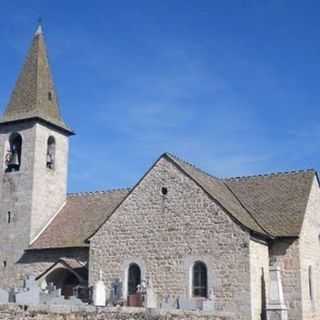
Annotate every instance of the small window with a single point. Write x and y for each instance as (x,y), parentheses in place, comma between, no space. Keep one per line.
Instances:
(164,191)
(199,280)
(310,282)
(4,263)
(50,96)
(9,217)
(13,156)
(51,152)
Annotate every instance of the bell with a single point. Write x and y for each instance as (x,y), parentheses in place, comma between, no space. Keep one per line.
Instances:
(50,160)
(13,163)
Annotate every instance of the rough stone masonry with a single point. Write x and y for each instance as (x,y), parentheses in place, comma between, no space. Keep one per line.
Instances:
(14,312)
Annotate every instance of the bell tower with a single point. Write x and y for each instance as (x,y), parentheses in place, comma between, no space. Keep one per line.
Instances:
(34,143)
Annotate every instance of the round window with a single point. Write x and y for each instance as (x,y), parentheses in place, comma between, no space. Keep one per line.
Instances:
(164,191)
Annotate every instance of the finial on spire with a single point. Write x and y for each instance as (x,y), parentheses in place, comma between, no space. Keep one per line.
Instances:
(39,28)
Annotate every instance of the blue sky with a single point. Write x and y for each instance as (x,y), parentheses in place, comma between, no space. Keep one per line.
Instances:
(231,86)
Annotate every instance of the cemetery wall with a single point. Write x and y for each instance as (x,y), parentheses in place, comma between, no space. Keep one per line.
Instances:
(45,312)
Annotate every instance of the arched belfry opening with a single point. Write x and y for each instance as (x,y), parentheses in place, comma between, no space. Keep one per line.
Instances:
(13,156)
(51,152)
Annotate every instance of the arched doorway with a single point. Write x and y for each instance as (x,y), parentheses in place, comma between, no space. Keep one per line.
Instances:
(70,282)
(63,279)
(134,280)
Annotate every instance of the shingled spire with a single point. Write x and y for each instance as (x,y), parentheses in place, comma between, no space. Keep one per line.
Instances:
(34,96)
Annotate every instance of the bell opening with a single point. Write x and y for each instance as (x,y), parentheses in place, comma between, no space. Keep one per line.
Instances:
(13,156)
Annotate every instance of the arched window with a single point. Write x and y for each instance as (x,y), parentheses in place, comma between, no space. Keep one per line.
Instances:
(13,156)
(51,152)
(199,280)
(134,278)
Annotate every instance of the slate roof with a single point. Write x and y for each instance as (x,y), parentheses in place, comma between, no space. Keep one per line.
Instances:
(72,264)
(270,205)
(78,219)
(277,201)
(273,205)
(34,96)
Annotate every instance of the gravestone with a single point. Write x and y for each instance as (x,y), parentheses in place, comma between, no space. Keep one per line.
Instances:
(30,293)
(151,299)
(99,292)
(12,295)
(188,304)
(116,292)
(50,295)
(168,303)
(4,296)
(208,304)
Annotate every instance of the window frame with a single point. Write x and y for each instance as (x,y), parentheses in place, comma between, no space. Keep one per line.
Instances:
(199,284)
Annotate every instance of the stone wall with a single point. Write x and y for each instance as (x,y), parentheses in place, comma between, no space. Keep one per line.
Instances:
(165,235)
(49,185)
(259,277)
(32,195)
(310,256)
(13,312)
(16,197)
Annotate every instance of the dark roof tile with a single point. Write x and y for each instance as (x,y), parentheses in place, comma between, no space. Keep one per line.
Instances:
(278,201)
(78,219)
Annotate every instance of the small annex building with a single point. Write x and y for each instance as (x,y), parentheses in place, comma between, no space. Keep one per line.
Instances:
(186,234)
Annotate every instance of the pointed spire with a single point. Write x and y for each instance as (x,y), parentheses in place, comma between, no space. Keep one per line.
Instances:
(34,95)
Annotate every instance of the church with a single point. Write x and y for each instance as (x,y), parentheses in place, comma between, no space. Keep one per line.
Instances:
(182,232)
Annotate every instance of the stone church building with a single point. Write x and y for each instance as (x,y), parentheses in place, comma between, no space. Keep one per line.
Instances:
(179,230)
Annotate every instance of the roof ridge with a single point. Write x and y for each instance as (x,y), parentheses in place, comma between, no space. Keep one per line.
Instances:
(268,175)
(242,177)
(93,193)
(192,165)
